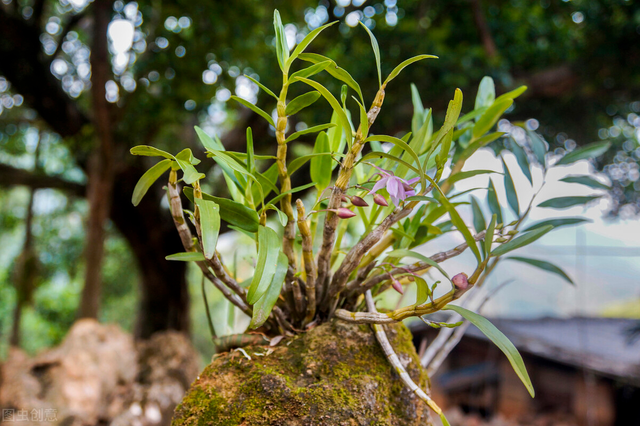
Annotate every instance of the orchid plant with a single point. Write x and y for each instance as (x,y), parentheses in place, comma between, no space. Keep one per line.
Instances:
(398,192)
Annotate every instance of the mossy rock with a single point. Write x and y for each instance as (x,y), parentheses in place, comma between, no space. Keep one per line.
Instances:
(335,374)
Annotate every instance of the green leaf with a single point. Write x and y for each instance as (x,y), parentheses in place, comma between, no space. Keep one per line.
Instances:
(403,65)
(334,70)
(282,217)
(147,179)
(402,145)
(255,109)
(512,94)
(262,86)
(291,191)
(492,200)
(538,146)
(306,41)
(190,173)
(521,241)
(207,141)
(320,167)
(500,340)
(400,253)
(566,202)
(468,117)
(393,158)
(423,291)
(490,117)
(231,211)
(187,156)
(587,181)
(478,217)
(512,197)
(364,119)
(313,129)
(453,112)
(309,71)
(444,420)
(486,93)
(263,307)
(149,151)
(488,236)
(460,225)
(480,143)
(523,161)
(282,49)
(342,116)
(418,110)
(588,151)
(470,173)
(376,51)
(546,266)
(268,251)
(250,160)
(191,256)
(209,225)
(301,102)
(558,223)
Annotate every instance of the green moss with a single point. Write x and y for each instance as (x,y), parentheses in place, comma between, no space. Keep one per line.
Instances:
(335,374)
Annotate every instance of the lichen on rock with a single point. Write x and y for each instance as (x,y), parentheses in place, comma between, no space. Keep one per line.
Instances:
(335,374)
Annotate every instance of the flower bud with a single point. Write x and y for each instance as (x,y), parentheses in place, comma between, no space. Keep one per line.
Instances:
(407,187)
(513,232)
(359,202)
(460,281)
(344,198)
(396,285)
(345,213)
(380,200)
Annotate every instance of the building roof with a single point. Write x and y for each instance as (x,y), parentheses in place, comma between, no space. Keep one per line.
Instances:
(601,345)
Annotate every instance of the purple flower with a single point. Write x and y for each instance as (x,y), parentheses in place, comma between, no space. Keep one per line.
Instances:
(398,188)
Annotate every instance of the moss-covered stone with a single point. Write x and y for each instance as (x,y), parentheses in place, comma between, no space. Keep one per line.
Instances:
(336,374)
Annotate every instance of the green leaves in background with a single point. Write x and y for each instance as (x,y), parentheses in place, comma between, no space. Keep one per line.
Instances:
(478,218)
(492,200)
(209,225)
(546,266)
(538,146)
(263,307)
(470,173)
(268,251)
(334,70)
(512,197)
(558,223)
(490,117)
(376,51)
(148,179)
(587,181)
(486,93)
(589,151)
(488,236)
(566,202)
(232,212)
(500,340)
(320,166)
(523,161)
(301,102)
(460,225)
(521,241)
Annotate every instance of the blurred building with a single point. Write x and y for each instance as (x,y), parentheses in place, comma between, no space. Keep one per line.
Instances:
(586,371)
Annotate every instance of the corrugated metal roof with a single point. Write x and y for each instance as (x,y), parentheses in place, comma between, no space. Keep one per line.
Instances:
(598,344)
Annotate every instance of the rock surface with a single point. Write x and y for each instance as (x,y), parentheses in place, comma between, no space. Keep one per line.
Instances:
(336,374)
(99,375)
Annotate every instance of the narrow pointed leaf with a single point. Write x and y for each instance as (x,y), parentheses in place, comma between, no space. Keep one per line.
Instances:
(268,251)
(470,173)
(282,49)
(589,151)
(320,166)
(478,217)
(376,51)
(313,129)
(558,223)
(301,102)
(500,340)
(512,94)
(418,110)
(566,202)
(462,228)
(521,241)
(255,109)
(544,265)
(512,197)
(209,225)
(191,256)
(190,173)
(401,253)
(309,71)
(148,179)
(405,64)
(523,161)
(488,236)
(587,181)
(306,41)
(492,200)
(490,117)
(334,70)
(538,146)
(486,93)
(263,307)
(150,151)
(231,211)
(262,86)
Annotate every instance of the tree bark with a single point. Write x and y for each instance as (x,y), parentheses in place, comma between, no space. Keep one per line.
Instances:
(101,163)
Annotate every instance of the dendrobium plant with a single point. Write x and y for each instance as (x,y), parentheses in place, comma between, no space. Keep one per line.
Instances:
(306,272)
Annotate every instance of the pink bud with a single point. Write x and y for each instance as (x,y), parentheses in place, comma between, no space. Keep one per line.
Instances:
(407,187)
(357,201)
(344,198)
(460,281)
(396,285)
(345,213)
(380,200)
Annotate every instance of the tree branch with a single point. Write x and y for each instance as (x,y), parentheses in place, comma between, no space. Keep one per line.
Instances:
(12,176)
